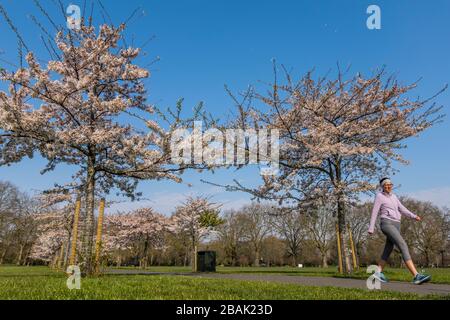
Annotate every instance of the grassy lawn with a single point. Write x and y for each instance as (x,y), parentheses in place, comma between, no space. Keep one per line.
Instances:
(439,275)
(43,283)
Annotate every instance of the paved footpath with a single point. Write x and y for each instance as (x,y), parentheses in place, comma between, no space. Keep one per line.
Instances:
(427,288)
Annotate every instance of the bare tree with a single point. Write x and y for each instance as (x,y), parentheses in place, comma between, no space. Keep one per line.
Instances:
(445,236)
(290,224)
(273,251)
(25,226)
(9,197)
(320,224)
(358,217)
(256,226)
(428,237)
(230,235)
(18,224)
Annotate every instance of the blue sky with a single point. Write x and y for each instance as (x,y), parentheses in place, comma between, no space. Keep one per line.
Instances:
(204,44)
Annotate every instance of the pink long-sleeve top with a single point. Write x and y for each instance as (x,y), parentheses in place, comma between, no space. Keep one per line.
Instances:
(389,207)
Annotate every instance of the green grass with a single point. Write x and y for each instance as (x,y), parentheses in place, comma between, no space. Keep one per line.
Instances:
(439,275)
(43,283)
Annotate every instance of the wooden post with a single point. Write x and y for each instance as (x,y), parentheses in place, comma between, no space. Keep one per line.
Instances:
(195,259)
(338,236)
(355,266)
(54,263)
(73,248)
(98,240)
(61,256)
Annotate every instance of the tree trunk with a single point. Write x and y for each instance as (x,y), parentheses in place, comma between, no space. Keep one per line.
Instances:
(427,258)
(232,255)
(25,258)
(145,254)
(347,266)
(256,263)
(89,225)
(194,243)
(19,256)
(294,260)
(345,252)
(2,257)
(235,256)
(54,261)
(324,259)
(194,259)
(295,253)
(185,258)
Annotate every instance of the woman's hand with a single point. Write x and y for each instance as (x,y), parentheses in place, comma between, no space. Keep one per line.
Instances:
(418,218)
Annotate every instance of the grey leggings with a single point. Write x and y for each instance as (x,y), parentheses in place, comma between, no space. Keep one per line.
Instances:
(393,237)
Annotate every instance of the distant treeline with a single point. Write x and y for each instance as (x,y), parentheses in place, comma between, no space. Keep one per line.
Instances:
(34,232)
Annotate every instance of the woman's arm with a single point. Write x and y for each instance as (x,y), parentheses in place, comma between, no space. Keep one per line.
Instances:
(404,211)
(375,211)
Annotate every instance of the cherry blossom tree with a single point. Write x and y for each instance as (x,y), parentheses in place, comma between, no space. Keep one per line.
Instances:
(51,237)
(140,230)
(53,232)
(197,217)
(337,136)
(113,242)
(81,108)
(60,205)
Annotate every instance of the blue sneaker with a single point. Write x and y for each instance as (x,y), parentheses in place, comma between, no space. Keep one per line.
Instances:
(421,278)
(380,276)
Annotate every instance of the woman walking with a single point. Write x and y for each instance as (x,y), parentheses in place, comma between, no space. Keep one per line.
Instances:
(390,209)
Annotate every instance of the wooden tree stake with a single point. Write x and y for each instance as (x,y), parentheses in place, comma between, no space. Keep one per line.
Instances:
(98,241)
(73,248)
